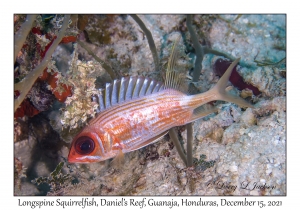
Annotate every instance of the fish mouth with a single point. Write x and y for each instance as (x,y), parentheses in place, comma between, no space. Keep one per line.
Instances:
(72,160)
(84,159)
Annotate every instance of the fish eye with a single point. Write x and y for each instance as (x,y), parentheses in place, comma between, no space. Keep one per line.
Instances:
(84,145)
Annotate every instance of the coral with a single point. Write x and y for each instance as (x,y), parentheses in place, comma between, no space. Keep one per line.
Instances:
(26,109)
(41,97)
(61,85)
(79,107)
(51,74)
(82,21)
(128,50)
(60,88)
(214,127)
(265,107)
(25,85)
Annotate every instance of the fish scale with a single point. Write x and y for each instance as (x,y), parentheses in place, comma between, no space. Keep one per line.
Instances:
(131,117)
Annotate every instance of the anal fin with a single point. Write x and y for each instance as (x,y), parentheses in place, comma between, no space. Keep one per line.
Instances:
(203,111)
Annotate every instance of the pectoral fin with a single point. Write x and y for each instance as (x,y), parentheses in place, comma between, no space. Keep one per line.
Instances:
(149,141)
(119,159)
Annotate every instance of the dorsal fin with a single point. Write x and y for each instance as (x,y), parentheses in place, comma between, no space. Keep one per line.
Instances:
(125,89)
(128,88)
(175,79)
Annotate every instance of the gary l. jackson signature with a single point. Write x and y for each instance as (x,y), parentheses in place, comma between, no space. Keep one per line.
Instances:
(244,185)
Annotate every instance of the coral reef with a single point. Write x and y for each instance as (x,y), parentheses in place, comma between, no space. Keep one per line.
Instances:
(79,107)
(41,97)
(230,148)
(26,83)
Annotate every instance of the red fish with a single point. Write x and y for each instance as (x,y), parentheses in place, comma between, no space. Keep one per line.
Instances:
(137,111)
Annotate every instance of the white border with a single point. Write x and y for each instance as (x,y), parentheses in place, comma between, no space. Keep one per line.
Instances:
(8,8)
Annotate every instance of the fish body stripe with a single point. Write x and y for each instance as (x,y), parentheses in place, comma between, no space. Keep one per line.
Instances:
(140,119)
(133,105)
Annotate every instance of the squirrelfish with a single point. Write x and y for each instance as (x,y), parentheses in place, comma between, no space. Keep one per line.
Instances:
(138,111)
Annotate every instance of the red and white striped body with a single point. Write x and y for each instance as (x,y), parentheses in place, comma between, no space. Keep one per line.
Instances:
(127,126)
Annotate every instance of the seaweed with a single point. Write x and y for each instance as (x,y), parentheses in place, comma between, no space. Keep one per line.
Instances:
(229,25)
(56,180)
(22,33)
(176,142)
(201,164)
(201,50)
(198,48)
(268,62)
(189,146)
(279,47)
(150,40)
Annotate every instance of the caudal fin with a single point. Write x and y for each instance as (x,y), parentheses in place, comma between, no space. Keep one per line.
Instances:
(219,90)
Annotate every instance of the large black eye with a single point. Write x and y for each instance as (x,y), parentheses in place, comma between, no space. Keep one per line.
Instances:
(84,145)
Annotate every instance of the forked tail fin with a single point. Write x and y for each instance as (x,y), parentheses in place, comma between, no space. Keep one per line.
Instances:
(220,93)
